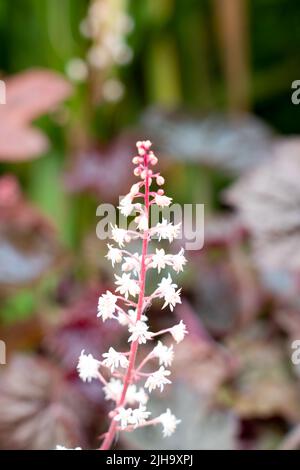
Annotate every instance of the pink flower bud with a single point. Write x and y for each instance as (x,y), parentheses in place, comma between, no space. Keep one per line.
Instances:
(153,159)
(160,180)
(141,151)
(161,192)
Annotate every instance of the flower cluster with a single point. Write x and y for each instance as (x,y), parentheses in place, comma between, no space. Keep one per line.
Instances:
(126,383)
(106,25)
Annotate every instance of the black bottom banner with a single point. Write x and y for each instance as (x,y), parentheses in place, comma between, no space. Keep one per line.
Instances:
(156,459)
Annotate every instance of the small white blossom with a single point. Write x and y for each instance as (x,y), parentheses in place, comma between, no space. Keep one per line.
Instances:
(124,416)
(178,261)
(139,415)
(159,259)
(132,315)
(178,331)
(169,422)
(162,201)
(166,290)
(135,189)
(142,222)
(113,390)
(107,305)
(131,394)
(141,396)
(131,263)
(119,235)
(167,231)
(126,206)
(166,285)
(164,354)
(127,285)
(172,298)
(139,332)
(87,367)
(123,320)
(114,255)
(114,359)
(134,395)
(158,379)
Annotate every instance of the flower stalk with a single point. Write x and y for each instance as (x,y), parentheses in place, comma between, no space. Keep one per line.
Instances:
(123,388)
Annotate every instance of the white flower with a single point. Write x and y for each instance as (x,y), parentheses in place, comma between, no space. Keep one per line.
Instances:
(167,231)
(159,260)
(131,394)
(139,332)
(124,416)
(142,222)
(120,235)
(107,305)
(114,255)
(166,286)
(87,367)
(178,261)
(139,415)
(113,390)
(126,206)
(127,286)
(141,396)
(178,331)
(169,423)
(158,379)
(123,320)
(132,263)
(135,189)
(172,298)
(136,396)
(114,359)
(162,201)
(132,315)
(166,290)
(164,354)
(58,447)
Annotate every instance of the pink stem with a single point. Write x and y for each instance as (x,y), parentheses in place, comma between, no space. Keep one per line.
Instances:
(113,428)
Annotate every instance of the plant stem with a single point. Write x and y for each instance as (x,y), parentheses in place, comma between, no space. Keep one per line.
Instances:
(113,428)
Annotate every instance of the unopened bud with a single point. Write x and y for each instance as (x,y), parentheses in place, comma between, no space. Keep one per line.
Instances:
(160,180)
(160,192)
(141,151)
(153,160)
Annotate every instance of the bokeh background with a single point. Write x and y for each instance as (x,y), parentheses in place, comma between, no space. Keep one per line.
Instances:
(209,82)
